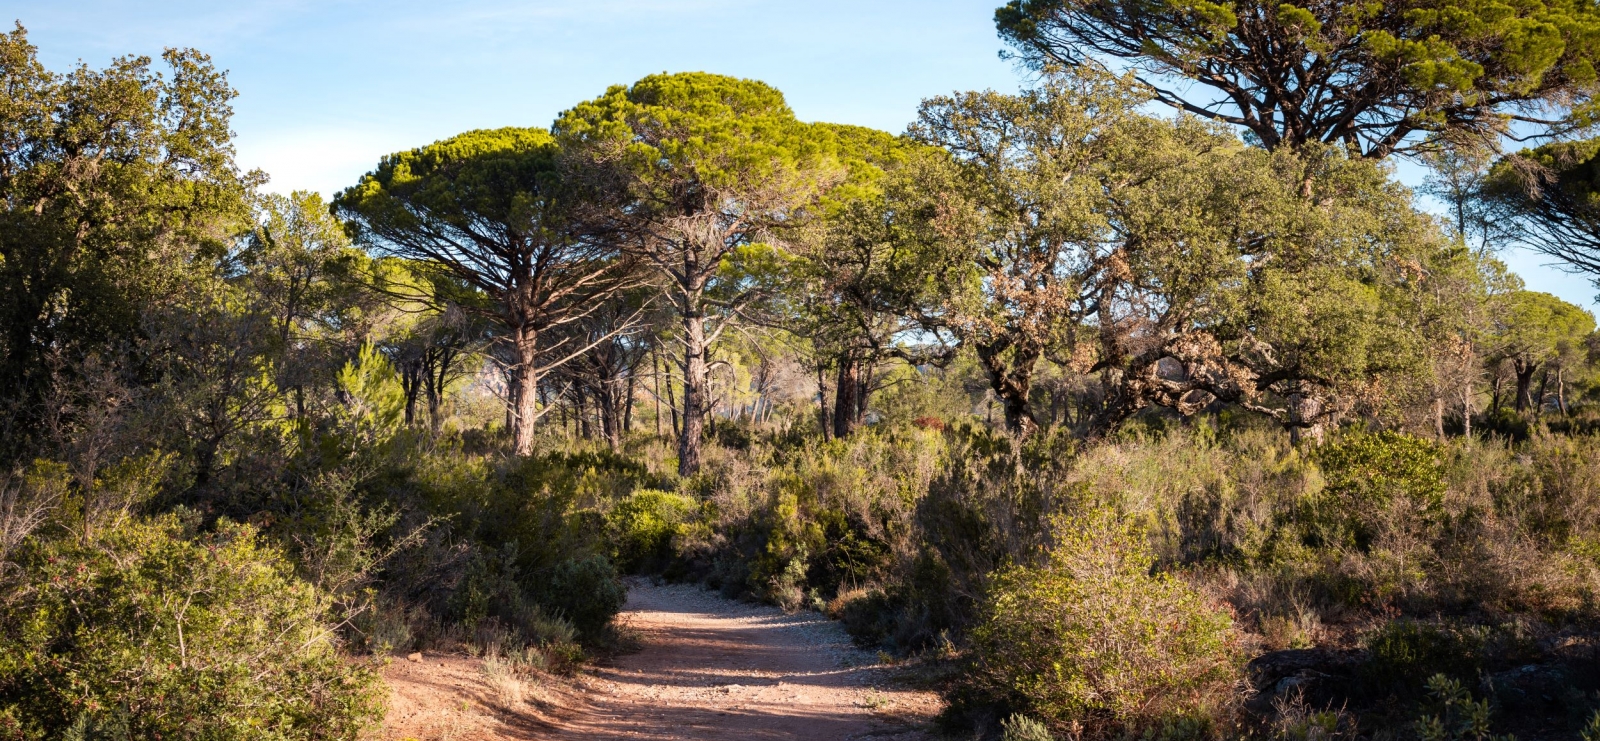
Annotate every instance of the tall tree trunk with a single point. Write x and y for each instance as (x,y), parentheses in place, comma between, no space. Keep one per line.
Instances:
(655,365)
(672,408)
(609,402)
(1466,409)
(627,409)
(1524,371)
(847,395)
(583,416)
(695,376)
(525,390)
(1561,390)
(437,373)
(823,420)
(1438,417)
(1544,385)
(411,375)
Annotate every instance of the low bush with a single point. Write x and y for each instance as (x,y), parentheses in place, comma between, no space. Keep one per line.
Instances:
(1403,654)
(1092,638)
(643,524)
(1457,716)
(152,632)
(586,592)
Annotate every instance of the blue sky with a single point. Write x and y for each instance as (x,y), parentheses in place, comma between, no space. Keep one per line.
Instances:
(328,86)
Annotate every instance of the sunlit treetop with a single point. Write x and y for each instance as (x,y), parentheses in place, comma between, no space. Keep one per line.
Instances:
(1383,76)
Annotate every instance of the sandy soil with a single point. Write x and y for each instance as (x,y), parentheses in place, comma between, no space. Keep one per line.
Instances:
(708,668)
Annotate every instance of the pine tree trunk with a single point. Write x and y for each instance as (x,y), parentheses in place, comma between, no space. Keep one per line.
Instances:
(1561,390)
(525,391)
(1544,385)
(823,420)
(695,374)
(627,410)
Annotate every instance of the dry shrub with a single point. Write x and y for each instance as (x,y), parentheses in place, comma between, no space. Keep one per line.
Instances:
(837,606)
(505,687)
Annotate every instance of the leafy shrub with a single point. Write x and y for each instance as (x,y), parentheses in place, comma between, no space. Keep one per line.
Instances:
(1404,653)
(1092,637)
(150,631)
(586,592)
(867,614)
(1458,716)
(1375,481)
(642,525)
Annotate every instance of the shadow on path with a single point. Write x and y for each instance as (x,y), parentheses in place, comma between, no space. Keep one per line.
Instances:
(713,669)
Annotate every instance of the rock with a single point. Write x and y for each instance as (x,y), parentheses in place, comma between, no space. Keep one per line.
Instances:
(1318,674)
(1289,684)
(417,657)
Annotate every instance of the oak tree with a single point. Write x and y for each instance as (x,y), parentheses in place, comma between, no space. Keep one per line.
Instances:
(112,183)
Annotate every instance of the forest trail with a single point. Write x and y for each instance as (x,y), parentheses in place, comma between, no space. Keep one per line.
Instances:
(707,668)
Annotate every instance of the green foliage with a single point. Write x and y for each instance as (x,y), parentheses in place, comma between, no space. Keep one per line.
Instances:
(1055,198)
(698,127)
(376,400)
(585,592)
(1459,717)
(1093,637)
(1369,75)
(540,540)
(118,182)
(168,634)
(1373,480)
(1404,653)
(1591,731)
(643,524)
(1547,194)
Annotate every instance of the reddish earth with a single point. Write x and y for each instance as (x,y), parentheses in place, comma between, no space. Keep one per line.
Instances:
(708,668)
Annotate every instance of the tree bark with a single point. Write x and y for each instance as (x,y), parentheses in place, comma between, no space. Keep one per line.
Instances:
(847,396)
(695,374)
(627,410)
(1561,390)
(824,421)
(1011,386)
(411,373)
(1304,423)
(1544,385)
(1524,371)
(525,390)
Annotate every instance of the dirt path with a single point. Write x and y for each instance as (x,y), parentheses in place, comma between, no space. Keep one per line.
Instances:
(708,668)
